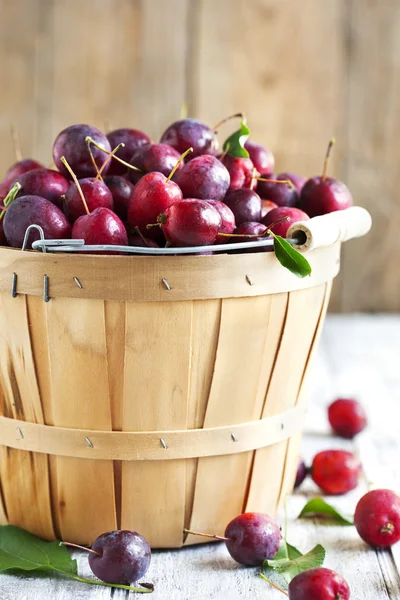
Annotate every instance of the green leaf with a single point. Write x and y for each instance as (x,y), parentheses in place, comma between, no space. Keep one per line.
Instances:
(234,144)
(290,258)
(287,551)
(22,550)
(290,567)
(11,195)
(317,507)
(26,552)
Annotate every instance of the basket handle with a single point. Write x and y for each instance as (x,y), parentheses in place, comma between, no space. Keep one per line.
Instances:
(328,229)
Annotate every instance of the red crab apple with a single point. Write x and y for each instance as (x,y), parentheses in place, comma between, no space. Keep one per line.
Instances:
(245,205)
(347,417)
(154,157)
(241,171)
(266,206)
(121,190)
(377,518)
(227,219)
(318,584)
(72,143)
(190,133)
(46,183)
(297,180)
(34,210)
(21,167)
(204,177)
(132,140)
(289,214)
(283,194)
(190,222)
(336,471)
(321,195)
(101,226)
(261,157)
(96,194)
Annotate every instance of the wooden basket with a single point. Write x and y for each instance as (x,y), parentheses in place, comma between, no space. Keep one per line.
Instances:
(126,404)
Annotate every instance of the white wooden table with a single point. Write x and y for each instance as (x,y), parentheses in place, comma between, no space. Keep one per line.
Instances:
(360,356)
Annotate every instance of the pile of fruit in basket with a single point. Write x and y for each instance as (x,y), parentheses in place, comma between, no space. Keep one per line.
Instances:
(123,189)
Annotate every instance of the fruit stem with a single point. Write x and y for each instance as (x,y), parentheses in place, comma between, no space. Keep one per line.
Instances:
(88,139)
(244,235)
(388,528)
(287,181)
(10,198)
(235,116)
(178,163)
(109,157)
(278,221)
(140,234)
(78,185)
(15,141)
(93,161)
(80,547)
(273,585)
(209,535)
(328,152)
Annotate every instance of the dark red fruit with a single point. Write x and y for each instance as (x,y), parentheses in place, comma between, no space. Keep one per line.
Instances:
(154,157)
(190,222)
(152,195)
(191,133)
(101,226)
(261,157)
(71,143)
(280,193)
(21,167)
(249,228)
(319,197)
(133,139)
(377,518)
(240,171)
(336,471)
(297,180)
(318,584)
(228,223)
(294,215)
(204,177)
(245,205)
(141,241)
(121,190)
(266,206)
(96,194)
(301,474)
(45,183)
(253,537)
(347,417)
(34,210)
(124,557)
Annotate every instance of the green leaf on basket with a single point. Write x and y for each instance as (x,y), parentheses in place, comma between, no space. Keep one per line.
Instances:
(24,551)
(290,567)
(234,144)
(290,258)
(317,507)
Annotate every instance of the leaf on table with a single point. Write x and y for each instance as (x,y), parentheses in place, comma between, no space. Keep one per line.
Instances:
(317,507)
(287,551)
(290,258)
(234,144)
(290,567)
(22,550)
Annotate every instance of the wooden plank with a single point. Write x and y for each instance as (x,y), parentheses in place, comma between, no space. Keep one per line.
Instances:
(302,316)
(233,399)
(24,475)
(79,375)
(373,151)
(156,387)
(206,317)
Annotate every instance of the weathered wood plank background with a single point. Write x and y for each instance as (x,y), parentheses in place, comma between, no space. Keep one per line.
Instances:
(301,71)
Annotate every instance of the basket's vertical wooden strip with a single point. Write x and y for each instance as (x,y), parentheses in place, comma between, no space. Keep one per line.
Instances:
(79,375)
(205,329)
(293,445)
(25,475)
(233,399)
(3,516)
(156,386)
(115,338)
(303,312)
(38,334)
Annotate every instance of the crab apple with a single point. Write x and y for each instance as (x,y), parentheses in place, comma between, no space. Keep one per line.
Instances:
(318,584)
(241,171)
(245,205)
(297,180)
(96,194)
(261,157)
(291,214)
(21,167)
(101,226)
(71,143)
(347,417)
(336,471)
(154,157)
(191,133)
(266,206)
(204,177)
(190,222)
(121,190)
(45,183)
(280,193)
(377,518)
(132,140)
(252,538)
(228,223)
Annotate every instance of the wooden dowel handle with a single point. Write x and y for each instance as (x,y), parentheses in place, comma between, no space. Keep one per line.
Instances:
(334,227)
